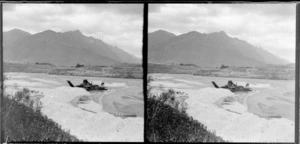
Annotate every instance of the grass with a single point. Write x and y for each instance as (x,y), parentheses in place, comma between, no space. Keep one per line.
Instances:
(133,72)
(124,70)
(274,72)
(23,122)
(30,68)
(171,69)
(167,121)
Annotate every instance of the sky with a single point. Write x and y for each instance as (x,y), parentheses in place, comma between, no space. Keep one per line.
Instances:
(269,26)
(118,25)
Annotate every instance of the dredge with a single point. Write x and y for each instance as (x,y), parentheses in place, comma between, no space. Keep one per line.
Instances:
(89,86)
(233,87)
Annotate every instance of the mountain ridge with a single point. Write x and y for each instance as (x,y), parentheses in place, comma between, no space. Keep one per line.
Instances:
(65,48)
(212,49)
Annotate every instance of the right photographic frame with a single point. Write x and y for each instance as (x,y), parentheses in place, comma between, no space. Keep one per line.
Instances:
(222,73)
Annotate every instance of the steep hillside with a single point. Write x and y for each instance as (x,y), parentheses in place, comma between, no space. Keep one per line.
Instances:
(213,49)
(159,36)
(68,48)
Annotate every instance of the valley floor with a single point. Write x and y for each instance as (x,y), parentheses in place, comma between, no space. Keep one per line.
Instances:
(124,70)
(113,115)
(264,115)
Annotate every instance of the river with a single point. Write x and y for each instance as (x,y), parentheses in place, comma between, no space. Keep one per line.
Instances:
(112,115)
(261,115)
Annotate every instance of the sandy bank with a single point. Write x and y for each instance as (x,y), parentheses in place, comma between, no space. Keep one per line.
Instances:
(88,121)
(125,102)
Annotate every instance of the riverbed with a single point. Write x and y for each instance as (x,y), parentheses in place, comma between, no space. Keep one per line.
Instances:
(112,115)
(266,114)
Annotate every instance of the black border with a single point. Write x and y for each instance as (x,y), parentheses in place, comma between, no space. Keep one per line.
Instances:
(144,60)
(145,64)
(297,73)
(1,60)
(145,42)
(297,50)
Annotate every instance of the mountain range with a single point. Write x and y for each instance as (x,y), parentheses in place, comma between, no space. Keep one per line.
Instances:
(61,48)
(212,49)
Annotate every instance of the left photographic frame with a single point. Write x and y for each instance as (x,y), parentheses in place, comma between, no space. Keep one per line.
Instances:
(72,72)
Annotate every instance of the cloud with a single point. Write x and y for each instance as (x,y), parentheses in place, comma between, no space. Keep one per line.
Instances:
(154,8)
(131,9)
(8,7)
(118,25)
(270,26)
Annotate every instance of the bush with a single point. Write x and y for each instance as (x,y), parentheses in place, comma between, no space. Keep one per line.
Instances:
(24,98)
(41,63)
(181,64)
(79,65)
(224,66)
(171,123)
(20,122)
(129,74)
(169,99)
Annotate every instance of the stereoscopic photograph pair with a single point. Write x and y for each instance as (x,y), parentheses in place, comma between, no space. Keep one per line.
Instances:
(149,72)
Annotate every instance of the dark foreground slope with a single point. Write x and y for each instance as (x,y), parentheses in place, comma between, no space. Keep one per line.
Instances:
(167,123)
(22,122)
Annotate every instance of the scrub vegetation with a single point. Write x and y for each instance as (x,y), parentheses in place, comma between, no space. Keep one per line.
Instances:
(22,121)
(167,121)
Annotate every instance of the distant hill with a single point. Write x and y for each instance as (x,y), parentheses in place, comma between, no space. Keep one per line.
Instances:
(213,49)
(159,36)
(68,48)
